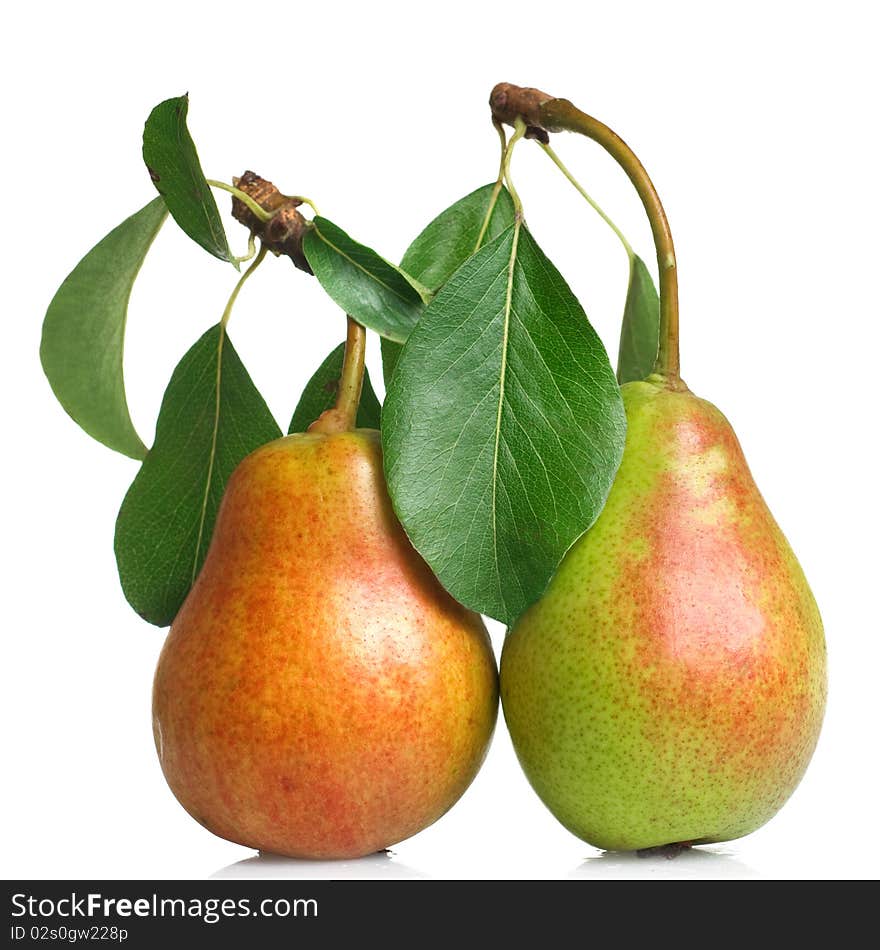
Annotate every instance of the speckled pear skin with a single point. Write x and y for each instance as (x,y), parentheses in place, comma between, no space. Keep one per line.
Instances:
(669,686)
(319,694)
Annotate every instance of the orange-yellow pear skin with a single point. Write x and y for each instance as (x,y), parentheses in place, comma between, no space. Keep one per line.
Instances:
(669,686)
(319,694)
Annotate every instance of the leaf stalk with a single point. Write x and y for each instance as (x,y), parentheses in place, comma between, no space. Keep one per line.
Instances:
(562,115)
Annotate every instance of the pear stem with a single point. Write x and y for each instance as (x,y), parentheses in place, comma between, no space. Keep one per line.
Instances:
(351,381)
(557,115)
(342,417)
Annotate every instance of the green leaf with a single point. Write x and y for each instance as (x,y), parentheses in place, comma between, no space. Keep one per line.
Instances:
(374,291)
(84,332)
(211,417)
(320,394)
(640,331)
(451,238)
(446,243)
(390,355)
(173,164)
(503,427)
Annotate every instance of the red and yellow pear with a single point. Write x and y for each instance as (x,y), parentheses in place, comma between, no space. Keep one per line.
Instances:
(320,695)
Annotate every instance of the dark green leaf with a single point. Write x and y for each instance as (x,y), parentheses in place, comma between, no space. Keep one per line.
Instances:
(211,417)
(450,239)
(173,164)
(640,332)
(374,291)
(84,332)
(320,394)
(503,427)
(446,243)
(390,355)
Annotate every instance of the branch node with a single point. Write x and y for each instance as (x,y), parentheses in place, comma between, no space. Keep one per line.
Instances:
(509,102)
(283,233)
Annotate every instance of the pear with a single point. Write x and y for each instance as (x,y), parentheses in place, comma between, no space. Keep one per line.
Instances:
(669,686)
(320,695)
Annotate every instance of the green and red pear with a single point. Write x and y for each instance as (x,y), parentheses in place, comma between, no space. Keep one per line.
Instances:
(669,686)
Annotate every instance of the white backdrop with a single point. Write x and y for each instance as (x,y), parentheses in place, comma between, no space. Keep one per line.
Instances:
(759,129)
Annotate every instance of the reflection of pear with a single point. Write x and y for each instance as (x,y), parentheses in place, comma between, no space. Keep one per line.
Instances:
(670,684)
(319,694)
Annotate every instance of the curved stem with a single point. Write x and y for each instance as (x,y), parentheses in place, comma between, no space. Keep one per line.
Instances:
(557,115)
(305,201)
(252,249)
(557,161)
(502,136)
(496,191)
(218,378)
(227,313)
(342,417)
(519,130)
(243,197)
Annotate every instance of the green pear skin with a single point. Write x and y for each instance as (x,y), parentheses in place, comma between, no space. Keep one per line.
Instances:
(669,686)
(319,694)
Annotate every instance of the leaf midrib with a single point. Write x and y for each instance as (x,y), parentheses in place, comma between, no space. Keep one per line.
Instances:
(501,380)
(182,132)
(213,454)
(361,267)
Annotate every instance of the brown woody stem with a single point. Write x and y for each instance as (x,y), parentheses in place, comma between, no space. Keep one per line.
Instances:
(281,228)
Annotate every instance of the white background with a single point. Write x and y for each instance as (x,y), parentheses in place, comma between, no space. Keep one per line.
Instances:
(757,122)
